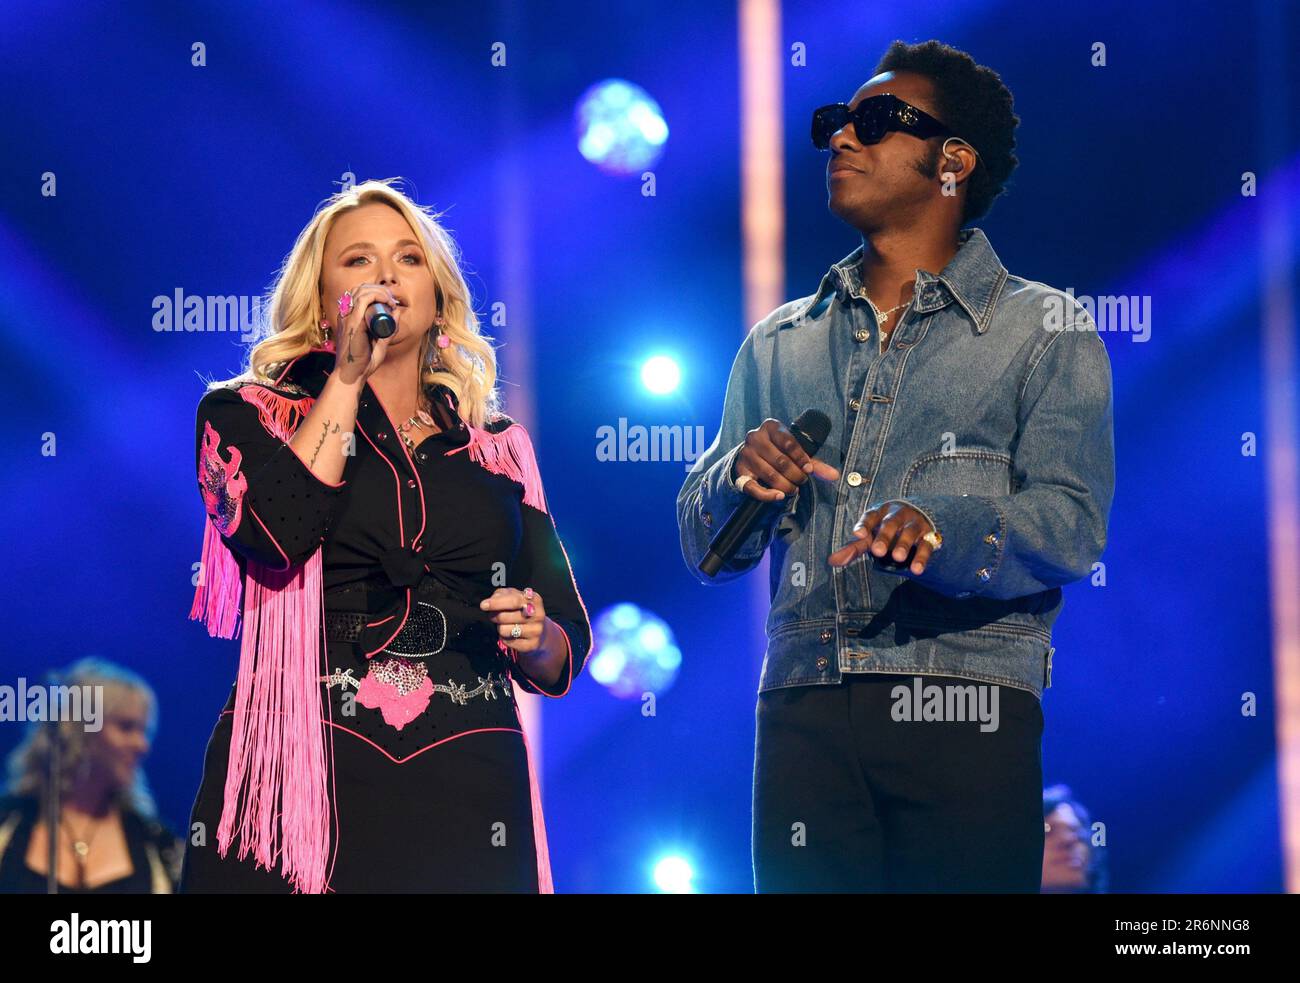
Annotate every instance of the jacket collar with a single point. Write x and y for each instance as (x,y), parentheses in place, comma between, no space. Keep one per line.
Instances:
(312,369)
(308,370)
(973,279)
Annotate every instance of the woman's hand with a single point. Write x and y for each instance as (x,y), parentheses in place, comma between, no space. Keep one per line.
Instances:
(520,617)
(356,356)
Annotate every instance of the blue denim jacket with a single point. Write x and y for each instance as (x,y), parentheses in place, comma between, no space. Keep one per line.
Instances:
(989,412)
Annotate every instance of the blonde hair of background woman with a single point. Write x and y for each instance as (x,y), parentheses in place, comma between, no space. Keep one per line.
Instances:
(29,762)
(293,305)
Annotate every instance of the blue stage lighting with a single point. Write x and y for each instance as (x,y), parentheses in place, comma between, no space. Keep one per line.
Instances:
(635,652)
(660,374)
(620,128)
(674,875)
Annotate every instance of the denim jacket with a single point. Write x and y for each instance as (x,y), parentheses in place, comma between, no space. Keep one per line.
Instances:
(989,412)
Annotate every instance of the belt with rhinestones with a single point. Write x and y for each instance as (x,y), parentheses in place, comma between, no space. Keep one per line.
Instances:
(437,620)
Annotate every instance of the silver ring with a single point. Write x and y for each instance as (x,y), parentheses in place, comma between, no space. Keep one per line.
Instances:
(742,481)
(516,631)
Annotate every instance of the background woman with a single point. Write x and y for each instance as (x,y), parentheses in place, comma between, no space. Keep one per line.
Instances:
(107,836)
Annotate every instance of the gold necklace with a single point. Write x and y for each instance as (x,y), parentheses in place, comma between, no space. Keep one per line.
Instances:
(81,847)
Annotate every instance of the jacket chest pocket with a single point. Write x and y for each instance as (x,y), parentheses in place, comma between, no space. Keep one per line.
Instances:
(961,472)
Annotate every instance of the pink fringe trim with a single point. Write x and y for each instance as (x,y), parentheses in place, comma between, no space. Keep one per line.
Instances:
(510,453)
(544,883)
(280,415)
(275,797)
(217,597)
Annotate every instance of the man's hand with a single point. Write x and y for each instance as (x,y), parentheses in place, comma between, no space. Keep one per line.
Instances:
(889,528)
(776,463)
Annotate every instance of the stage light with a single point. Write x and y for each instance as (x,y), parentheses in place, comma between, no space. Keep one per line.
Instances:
(674,875)
(620,128)
(635,652)
(660,374)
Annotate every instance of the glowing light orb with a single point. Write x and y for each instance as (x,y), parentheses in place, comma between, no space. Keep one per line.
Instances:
(620,128)
(635,652)
(660,374)
(674,875)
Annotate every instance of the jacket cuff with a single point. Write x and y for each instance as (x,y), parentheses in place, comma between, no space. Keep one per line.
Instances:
(561,686)
(974,533)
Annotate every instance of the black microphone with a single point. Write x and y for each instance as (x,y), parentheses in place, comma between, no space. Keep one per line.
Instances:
(810,430)
(380,322)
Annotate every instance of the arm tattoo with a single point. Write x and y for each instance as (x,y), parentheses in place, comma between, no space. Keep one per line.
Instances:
(325,431)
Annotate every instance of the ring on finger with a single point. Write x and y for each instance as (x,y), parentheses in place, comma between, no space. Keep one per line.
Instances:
(743,480)
(516,631)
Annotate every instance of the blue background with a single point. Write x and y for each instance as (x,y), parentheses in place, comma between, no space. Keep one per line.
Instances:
(199,178)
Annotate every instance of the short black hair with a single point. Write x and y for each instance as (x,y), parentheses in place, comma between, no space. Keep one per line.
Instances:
(973,102)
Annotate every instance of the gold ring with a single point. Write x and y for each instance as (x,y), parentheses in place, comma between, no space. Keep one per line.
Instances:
(934,539)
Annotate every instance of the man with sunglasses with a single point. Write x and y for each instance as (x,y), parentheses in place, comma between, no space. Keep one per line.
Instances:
(967,478)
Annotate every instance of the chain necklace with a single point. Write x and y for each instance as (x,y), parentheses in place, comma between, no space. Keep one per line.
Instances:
(882,317)
(420,418)
(81,847)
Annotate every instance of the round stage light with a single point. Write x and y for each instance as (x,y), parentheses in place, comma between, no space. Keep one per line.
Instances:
(660,374)
(674,875)
(620,128)
(635,652)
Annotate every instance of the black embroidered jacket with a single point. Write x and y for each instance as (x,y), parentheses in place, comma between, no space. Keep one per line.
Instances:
(397,522)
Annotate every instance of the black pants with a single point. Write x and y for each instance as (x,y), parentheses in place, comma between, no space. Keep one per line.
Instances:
(849,799)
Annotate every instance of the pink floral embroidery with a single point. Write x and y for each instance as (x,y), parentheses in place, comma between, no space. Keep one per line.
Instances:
(222,485)
(398,709)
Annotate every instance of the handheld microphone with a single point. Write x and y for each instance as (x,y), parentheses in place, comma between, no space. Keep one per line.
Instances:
(811,430)
(379,321)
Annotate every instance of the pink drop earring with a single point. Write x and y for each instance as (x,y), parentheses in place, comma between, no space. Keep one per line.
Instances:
(442,342)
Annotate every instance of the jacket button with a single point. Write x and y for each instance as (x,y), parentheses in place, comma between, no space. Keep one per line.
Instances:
(827,635)
(423,456)
(410,483)
(855,404)
(854,479)
(983,574)
(822,663)
(862,334)
(382,436)
(991,539)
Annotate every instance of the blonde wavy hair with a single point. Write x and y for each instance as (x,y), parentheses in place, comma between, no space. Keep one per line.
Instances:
(28,764)
(291,327)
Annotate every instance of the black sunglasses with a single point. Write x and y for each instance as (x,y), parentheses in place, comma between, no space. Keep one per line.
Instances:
(872,119)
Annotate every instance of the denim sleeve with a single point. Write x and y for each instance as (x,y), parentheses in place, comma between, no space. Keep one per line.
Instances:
(709,495)
(1051,530)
